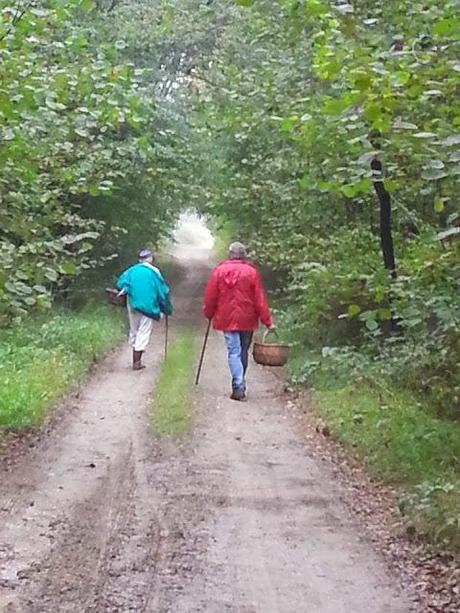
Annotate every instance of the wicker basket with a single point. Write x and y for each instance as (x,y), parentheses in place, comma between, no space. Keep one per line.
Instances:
(270,354)
(114,298)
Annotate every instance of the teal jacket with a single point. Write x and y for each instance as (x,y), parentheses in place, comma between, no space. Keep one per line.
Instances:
(147,291)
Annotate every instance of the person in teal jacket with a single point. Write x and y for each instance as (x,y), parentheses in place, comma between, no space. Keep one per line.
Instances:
(148,297)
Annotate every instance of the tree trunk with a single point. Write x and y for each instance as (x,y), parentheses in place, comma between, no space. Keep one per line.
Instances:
(386,235)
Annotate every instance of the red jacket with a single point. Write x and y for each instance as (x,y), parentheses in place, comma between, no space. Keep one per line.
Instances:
(235,298)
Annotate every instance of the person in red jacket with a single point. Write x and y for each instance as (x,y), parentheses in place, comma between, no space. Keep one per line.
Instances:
(235,300)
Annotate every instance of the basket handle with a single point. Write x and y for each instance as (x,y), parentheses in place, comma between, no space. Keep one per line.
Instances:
(267,332)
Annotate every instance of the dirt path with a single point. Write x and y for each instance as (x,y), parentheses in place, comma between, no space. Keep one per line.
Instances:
(100,517)
(264,528)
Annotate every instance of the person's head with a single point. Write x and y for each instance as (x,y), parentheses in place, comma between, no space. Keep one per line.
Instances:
(145,255)
(237,251)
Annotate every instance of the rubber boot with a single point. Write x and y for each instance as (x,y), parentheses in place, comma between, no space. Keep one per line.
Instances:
(137,357)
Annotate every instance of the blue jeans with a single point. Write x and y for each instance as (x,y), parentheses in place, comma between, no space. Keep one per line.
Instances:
(238,344)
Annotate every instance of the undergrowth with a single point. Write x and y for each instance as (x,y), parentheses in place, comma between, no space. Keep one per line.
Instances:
(171,404)
(42,358)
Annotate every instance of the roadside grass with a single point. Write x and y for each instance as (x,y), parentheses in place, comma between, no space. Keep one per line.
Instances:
(402,442)
(397,434)
(43,357)
(171,404)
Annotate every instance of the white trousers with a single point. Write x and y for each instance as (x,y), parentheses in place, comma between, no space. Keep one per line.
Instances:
(140,329)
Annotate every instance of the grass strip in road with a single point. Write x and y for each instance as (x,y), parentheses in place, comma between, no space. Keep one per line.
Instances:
(42,358)
(171,403)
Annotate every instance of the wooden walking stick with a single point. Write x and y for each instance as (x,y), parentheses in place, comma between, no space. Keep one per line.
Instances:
(202,352)
(166,336)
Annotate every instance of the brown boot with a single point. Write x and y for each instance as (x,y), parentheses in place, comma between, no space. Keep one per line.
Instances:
(137,363)
(238,395)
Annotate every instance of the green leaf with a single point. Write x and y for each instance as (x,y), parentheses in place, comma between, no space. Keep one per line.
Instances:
(385,314)
(288,123)
(87,5)
(448,234)
(424,135)
(369,318)
(7,134)
(51,274)
(433,174)
(451,140)
(81,132)
(38,12)
(353,309)
(305,182)
(371,324)
(447,27)
(69,268)
(334,107)
(439,205)
(40,289)
(349,191)
(316,8)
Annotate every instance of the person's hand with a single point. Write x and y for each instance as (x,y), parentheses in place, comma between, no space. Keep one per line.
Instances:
(272,328)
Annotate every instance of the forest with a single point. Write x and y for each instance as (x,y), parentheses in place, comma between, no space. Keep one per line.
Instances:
(324,134)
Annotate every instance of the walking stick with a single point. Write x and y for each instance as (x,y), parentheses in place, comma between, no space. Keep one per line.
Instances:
(202,352)
(166,336)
